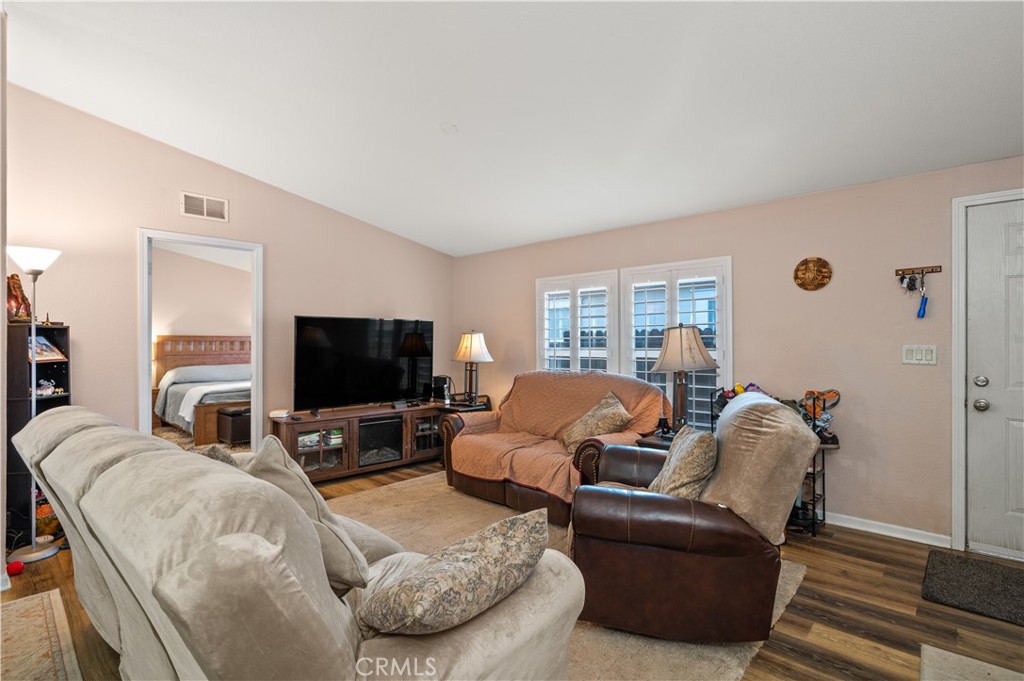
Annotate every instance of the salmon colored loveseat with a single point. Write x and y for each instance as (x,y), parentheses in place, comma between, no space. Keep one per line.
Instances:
(515,455)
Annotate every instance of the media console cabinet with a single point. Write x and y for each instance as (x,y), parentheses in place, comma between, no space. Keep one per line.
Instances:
(352,440)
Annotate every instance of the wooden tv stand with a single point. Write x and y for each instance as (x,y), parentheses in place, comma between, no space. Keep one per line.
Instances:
(353,440)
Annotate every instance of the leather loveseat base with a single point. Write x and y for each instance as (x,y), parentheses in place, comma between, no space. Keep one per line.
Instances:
(678,595)
(513,495)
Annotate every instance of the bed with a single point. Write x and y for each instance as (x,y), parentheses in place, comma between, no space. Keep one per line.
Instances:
(197,375)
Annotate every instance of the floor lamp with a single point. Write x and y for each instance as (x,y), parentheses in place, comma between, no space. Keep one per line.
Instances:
(682,351)
(33,262)
(472,350)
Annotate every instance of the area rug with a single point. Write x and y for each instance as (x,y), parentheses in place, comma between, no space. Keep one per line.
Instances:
(424,514)
(976,585)
(941,665)
(185,441)
(37,640)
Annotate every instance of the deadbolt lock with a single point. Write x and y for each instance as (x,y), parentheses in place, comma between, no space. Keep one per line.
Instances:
(981,381)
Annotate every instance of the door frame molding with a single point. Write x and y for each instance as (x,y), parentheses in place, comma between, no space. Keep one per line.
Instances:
(145,395)
(958,355)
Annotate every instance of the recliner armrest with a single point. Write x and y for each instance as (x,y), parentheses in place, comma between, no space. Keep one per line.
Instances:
(649,519)
(637,466)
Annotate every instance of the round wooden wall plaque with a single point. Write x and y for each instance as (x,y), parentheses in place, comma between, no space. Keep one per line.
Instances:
(812,274)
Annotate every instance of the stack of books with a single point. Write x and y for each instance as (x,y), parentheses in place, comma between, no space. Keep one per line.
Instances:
(334,437)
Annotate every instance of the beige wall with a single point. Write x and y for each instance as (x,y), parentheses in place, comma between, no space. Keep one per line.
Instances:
(192,296)
(86,187)
(894,466)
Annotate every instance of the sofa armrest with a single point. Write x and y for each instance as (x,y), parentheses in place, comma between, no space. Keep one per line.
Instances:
(470,422)
(630,465)
(649,519)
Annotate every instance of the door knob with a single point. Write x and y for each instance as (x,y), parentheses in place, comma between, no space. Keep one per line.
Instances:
(981,381)
(982,405)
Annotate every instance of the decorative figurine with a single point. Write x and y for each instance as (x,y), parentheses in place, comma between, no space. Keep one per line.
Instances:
(18,307)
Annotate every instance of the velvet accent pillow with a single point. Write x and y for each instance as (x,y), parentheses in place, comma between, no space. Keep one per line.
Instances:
(345,564)
(691,461)
(609,416)
(455,584)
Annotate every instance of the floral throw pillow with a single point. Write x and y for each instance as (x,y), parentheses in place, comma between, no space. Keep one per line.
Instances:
(691,461)
(457,583)
(609,416)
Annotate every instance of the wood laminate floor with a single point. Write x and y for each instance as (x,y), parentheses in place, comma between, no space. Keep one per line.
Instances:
(858,614)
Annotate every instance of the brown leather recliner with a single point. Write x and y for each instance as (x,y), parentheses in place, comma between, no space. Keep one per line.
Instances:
(702,571)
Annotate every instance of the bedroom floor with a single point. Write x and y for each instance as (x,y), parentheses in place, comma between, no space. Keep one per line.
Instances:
(184,440)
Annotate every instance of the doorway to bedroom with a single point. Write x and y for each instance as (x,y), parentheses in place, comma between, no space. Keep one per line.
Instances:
(200,368)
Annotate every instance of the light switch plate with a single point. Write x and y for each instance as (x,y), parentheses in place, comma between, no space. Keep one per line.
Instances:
(920,354)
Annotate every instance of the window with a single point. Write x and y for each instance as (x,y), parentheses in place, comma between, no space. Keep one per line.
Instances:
(576,322)
(693,293)
(577,327)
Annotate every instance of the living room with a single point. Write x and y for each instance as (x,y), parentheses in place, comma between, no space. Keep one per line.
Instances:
(80,182)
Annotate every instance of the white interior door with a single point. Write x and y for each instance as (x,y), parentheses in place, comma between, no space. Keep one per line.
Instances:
(995,378)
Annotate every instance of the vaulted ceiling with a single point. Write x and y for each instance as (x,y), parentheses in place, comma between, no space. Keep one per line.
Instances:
(471,127)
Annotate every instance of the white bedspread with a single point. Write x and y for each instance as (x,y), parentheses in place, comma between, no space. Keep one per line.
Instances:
(188,404)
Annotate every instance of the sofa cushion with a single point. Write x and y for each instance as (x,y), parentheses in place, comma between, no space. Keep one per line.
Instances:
(526,459)
(236,631)
(460,581)
(372,543)
(545,403)
(763,450)
(690,463)
(41,436)
(346,566)
(607,416)
(159,510)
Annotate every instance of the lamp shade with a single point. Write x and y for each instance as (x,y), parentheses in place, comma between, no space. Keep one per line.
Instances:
(683,350)
(472,348)
(32,260)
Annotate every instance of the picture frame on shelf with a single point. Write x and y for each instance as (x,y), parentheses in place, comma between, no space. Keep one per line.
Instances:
(45,351)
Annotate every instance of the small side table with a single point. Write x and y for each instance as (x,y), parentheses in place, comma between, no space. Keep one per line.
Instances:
(483,404)
(655,441)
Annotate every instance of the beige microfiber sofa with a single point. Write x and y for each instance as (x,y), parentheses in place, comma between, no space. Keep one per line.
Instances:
(194,568)
(515,456)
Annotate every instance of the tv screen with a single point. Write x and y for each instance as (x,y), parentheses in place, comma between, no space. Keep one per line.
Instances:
(341,361)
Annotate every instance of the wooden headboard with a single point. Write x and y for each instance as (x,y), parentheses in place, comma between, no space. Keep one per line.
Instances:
(171,352)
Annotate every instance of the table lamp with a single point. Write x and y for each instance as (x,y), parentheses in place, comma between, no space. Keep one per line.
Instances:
(33,262)
(682,351)
(472,350)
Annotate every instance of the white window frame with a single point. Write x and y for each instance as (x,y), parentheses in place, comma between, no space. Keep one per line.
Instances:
(719,269)
(620,324)
(573,284)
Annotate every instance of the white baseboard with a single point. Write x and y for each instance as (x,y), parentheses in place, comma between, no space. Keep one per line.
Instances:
(5,581)
(908,533)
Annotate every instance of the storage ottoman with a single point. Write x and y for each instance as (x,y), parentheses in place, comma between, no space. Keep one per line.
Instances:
(233,424)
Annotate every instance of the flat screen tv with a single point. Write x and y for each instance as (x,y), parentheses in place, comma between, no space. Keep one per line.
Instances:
(342,361)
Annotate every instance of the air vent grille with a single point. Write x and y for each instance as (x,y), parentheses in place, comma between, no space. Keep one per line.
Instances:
(207,207)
